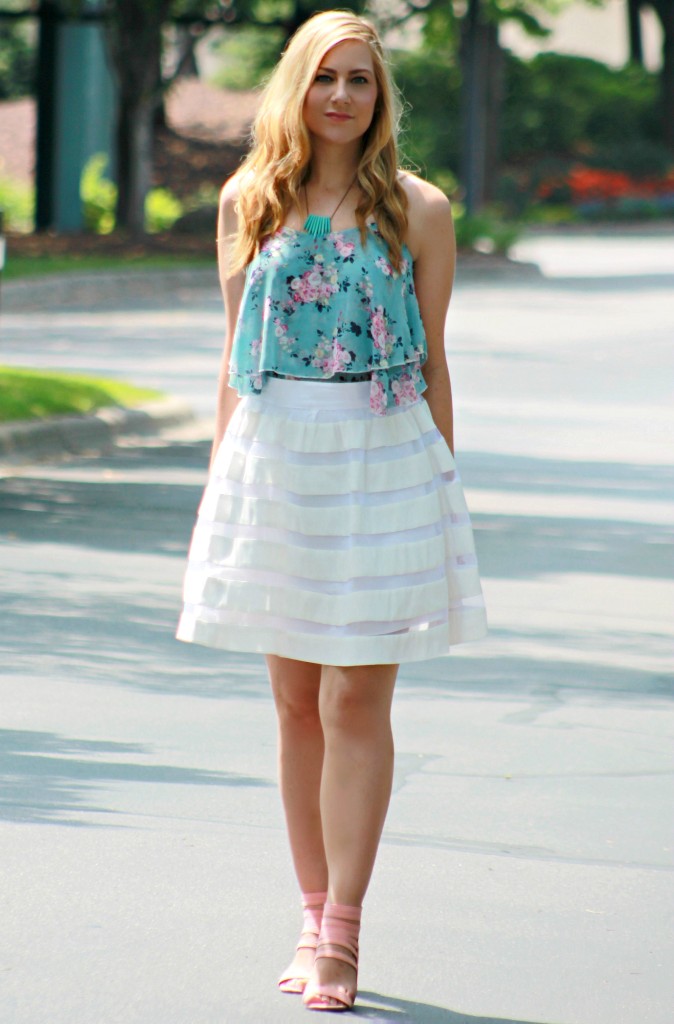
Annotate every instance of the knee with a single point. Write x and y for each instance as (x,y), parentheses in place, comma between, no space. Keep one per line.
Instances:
(296,708)
(295,686)
(347,704)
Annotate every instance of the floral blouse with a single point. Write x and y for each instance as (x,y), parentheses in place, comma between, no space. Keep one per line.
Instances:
(328,308)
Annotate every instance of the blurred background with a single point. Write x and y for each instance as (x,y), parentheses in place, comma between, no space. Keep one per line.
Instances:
(120,120)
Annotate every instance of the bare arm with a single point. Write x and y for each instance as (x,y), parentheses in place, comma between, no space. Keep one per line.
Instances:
(432,244)
(232,291)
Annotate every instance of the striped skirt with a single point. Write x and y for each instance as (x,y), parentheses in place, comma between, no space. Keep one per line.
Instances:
(330,535)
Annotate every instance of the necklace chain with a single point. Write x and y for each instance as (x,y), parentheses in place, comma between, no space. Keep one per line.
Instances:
(318,225)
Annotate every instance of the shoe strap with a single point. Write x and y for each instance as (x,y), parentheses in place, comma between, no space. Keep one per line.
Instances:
(339,933)
(312,904)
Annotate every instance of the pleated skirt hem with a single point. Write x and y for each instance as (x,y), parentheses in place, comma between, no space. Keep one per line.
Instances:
(389,649)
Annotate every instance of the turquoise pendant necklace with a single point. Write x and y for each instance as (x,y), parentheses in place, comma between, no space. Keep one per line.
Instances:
(317,226)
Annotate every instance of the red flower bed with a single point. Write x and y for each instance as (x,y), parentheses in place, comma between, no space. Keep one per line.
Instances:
(587,184)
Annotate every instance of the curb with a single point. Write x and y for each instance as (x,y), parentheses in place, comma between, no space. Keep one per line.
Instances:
(26,441)
(51,292)
(493,269)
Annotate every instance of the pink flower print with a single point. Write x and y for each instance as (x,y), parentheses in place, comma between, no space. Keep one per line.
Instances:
(266,309)
(404,390)
(272,245)
(255,346)
(384,266)
(379,328)
(344,248)
(320,358)
(377,397)
(317,285)
(256,382)
(365,286)
(338,360)
(286,343)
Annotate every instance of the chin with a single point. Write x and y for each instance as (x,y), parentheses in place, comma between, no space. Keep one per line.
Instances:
(344,132)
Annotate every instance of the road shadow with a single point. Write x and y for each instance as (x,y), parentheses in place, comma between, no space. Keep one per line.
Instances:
(404,1011)
(48,778)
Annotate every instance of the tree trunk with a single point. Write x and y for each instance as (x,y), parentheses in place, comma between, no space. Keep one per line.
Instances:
(134,161)
(634,31)
(495,86)
(474,64)
(135,45)
(186,61)
(665,11)
(46,115)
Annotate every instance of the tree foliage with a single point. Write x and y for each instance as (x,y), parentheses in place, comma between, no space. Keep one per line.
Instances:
(17,54)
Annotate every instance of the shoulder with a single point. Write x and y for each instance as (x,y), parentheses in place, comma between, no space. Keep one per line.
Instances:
(429,213)
(228,204)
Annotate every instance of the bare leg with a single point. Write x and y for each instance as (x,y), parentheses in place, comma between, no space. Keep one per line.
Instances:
(295,685)
(355,707)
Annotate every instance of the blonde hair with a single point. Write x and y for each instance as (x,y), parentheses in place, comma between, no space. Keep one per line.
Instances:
(272,175)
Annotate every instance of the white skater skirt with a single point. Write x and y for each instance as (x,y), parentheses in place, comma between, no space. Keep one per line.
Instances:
(331,535)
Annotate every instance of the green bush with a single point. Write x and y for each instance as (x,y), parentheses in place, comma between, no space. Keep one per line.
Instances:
(207,195)
(558,104)
(99,197)
(486,231)
(17,201)
(162,210)
(638,157)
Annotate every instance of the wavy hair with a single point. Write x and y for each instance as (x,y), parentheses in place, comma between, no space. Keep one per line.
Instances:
(278,164)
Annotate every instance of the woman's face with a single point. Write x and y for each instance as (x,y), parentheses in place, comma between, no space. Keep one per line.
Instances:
(340,103)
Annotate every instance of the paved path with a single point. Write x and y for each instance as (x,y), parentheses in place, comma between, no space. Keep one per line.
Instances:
(525,873)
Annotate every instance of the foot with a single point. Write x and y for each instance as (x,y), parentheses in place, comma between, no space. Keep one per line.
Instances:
(335,976)
(294,979)
(334,979)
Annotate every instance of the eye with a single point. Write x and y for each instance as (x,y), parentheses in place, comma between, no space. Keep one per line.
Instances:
(322,76)
(360,80)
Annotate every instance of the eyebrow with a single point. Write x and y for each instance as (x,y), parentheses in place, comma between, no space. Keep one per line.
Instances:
(352,71)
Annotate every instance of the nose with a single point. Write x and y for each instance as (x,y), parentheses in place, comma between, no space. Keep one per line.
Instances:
(340,92)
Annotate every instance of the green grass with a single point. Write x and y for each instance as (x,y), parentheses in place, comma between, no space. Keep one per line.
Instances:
(35,394)
(32,266)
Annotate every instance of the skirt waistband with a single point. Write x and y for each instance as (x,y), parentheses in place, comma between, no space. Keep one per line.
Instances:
(312,394)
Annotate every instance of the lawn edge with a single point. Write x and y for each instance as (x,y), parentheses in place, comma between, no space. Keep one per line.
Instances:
(26,441)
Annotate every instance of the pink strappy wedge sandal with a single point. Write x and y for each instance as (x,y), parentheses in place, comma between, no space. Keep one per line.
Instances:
(292,981)
(338,941)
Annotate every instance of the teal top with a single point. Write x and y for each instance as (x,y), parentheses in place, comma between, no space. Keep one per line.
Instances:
(329,308)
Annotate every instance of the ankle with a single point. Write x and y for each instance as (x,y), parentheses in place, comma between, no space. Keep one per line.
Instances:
(342,910)
(340,930)
(311,899)
(312,906)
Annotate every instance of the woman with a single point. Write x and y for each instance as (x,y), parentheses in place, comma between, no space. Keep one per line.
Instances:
(333,536)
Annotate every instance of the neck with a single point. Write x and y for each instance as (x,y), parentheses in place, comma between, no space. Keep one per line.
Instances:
(333,167)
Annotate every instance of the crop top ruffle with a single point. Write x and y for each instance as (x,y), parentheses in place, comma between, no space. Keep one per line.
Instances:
(322,308)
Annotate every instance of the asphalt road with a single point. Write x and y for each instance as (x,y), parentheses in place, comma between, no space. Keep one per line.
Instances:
(525,874)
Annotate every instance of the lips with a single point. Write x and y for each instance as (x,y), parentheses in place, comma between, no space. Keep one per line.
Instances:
(334,116)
